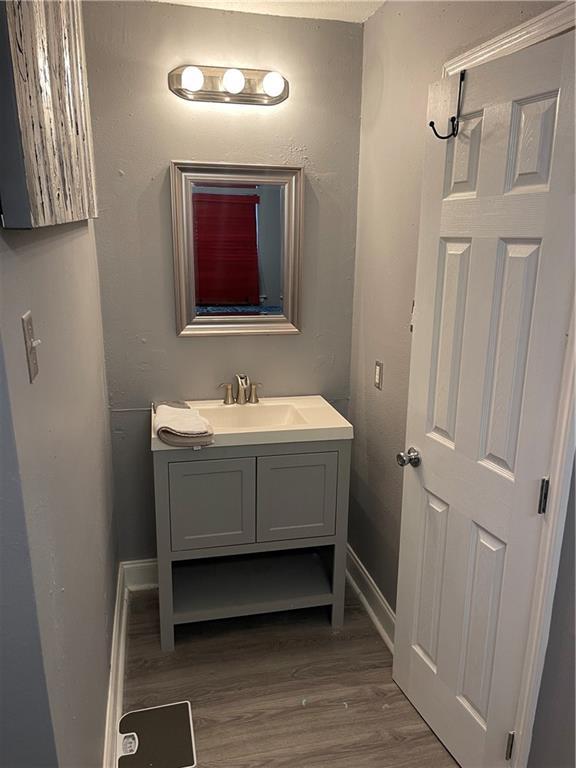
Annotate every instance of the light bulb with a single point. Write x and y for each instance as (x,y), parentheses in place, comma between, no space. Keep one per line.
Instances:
(273,84)
(192,79)
(234,81)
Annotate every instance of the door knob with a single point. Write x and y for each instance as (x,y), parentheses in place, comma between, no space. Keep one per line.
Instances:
(412,456)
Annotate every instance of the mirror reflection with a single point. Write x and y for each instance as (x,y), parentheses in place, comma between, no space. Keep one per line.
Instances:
(237,247)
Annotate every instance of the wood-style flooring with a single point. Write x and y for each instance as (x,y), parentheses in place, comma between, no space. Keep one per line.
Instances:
(281,690)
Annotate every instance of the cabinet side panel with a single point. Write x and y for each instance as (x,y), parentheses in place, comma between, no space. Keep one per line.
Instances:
(14,201)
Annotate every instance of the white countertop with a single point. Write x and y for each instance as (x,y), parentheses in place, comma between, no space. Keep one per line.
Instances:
(272,420)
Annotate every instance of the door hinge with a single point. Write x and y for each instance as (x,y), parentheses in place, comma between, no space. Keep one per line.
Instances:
(543,500)
(412,316)
(510,744)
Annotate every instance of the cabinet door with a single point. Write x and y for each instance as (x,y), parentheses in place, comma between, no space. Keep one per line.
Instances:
(297,496)
(212,503)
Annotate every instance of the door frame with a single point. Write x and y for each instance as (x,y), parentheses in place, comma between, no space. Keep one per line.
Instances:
(559,19)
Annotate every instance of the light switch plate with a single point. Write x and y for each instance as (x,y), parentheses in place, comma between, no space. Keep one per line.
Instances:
(31,344)
(378,374)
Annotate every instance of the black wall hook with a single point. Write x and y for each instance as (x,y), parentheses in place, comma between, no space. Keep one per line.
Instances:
(455,119)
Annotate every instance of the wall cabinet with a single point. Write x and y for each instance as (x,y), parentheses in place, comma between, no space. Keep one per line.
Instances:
(250,529)
(46,162)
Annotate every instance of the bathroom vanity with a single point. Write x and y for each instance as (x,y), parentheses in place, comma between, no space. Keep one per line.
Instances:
(257,521)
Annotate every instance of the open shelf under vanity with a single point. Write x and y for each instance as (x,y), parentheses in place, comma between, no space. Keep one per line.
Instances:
(241,585)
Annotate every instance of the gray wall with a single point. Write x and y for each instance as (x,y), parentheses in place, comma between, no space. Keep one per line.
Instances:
(405,46)
(23,695)
(61,431)
(553,735)
(139,126)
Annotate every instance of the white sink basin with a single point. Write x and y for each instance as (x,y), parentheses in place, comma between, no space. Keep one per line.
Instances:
(264,414)
(272,420)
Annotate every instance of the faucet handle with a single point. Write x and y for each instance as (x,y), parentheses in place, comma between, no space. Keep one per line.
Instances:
(254,392)
(228,396)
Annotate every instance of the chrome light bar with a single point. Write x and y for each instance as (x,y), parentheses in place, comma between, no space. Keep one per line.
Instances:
(228,85)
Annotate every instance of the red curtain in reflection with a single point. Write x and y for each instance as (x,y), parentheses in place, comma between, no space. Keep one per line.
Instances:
(225,249)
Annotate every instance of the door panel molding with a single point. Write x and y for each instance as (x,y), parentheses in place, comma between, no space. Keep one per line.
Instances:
(462,158)
(516,267)
(531,142)
(482,604)
(451,291)
(430,579)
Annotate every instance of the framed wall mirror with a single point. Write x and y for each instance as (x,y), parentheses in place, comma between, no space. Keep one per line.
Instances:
(237,233)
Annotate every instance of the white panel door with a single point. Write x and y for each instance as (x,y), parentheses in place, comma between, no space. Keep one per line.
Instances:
(493,301)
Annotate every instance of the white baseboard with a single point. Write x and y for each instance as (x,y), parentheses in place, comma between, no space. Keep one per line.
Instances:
(376,605)
(116,682)
(140,574)
(132,575)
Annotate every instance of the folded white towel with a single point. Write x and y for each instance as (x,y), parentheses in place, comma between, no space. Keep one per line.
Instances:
(182,426)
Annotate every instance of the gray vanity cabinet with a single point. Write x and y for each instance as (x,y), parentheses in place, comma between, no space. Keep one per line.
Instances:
(297,496)
(212,503)
(250,529)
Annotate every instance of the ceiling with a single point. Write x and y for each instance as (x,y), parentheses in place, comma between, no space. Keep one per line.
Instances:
(341,10)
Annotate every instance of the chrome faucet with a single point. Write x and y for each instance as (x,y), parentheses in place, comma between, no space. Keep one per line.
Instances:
(242,387)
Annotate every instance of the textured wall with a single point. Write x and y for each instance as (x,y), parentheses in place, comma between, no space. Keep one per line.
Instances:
(23,694)
(139,126)
(62,439)
(405,46)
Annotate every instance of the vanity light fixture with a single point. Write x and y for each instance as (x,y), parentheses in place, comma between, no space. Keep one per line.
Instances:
(228,85)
